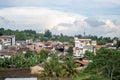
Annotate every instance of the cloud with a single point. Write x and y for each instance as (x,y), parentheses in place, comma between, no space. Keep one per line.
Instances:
(39,19)
(111,2)
(94,22)
(87,8)
(42,18)
(108,29)
(74,28)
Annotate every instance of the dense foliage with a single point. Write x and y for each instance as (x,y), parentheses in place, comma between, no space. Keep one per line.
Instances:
(26,34)
(105,63)
(47,35)
(20,61)
(55,67)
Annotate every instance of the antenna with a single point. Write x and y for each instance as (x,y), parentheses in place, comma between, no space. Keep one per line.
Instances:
(84,33)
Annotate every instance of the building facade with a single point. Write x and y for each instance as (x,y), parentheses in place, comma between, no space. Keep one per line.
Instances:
(7,40)
(81,45)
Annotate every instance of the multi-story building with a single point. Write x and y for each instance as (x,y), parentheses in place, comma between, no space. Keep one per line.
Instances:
(0,47)
(7,40)
(81,45)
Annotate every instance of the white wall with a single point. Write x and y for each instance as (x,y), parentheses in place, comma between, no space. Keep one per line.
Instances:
(0,47)
(13,40)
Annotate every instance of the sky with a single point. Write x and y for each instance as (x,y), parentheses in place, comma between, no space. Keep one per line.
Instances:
(70,17)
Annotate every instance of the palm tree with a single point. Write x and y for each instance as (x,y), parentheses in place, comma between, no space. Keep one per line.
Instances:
(53,68)
(71,70)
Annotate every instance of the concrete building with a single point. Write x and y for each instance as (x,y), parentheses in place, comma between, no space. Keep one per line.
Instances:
(7,40)
(7,53)
(0,47)
(81,45)
(36,46)
(29,41)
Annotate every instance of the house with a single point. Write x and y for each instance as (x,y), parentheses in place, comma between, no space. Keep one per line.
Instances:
(50,46)
(115,41)
(6,53)
(88,48)
(29,41)
(36,46)
(22,50)
(93,43)
(81,45)
(0,46)
(59,47)
(109,45)
(97,47)
(7,40)
(66,47)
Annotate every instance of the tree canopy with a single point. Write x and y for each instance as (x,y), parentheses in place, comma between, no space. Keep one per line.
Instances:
(106,63)
(48,33)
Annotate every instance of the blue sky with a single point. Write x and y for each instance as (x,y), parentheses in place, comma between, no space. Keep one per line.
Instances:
(84,7)
(80,15)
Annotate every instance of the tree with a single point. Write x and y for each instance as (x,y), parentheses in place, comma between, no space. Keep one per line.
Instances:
(55,67)
(48,34)
(53,70)
(29,54)
(107,62)
(70,49)
(1,31)
(61,34)
(89,54)
(104,64)
(71,70)
(79,36)
(118,44)
(44,54)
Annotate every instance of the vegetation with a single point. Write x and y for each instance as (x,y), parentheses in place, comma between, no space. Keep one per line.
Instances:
(26,34)
(31,34)
(44,54)
(53,68)
(19,61)
(105,63)
(110,63)
(48,34)
(118,44)
(70,50)
(60,68)
(104,66)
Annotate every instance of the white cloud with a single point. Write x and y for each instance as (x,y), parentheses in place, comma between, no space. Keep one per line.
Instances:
(45,17)
(39,19)
(112,29)
(114,2)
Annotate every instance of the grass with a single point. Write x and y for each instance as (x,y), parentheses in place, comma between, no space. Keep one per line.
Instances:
(89,76)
